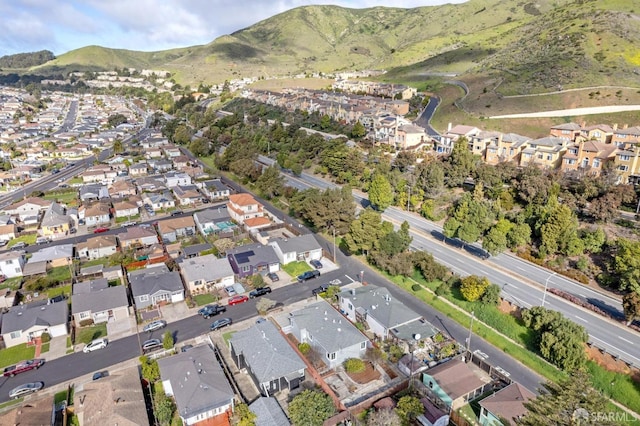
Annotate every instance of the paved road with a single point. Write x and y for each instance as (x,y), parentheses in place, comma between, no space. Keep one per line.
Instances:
(522,282)
(424,120)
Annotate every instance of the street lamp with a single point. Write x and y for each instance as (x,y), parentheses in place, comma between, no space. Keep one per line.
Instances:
(362,277)
(469,338)
(546,285)
(334,244)
(413,343)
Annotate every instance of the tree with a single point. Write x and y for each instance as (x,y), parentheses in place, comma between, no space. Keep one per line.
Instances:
(365,231)
(460,164)
(163,408)
(593,240)
(491,295)
(631,306)
(519,235)
(358,131)
(243,416)
(626,265)
(473,287)
(380,192)
(116,119)
(496,239)
(270,182)
(605,208)
(150,369)
(200,147)
(430,178)
(396,242)
(558,228)
(571,401)
(167,340)
(118,147)
(383,417)
(469,219)
(408,409)
(430,269)
(257,281)
(404,159)
(311,408)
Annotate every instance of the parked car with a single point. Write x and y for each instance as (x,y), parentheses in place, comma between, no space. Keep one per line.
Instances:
(95,345)
(22,367)
(25,389)
(260,320)
(100,230)
(273,277)
(222,322)
(100,374)
(186,348)
(154,325)
(211,310)
(126,224)
(176,212)
(316,263)
(316,291)
(19,245)
(72,230)
(151,344)
(308,275)
(230,291)
(58,298)
(237,299)
(42,240)
(259,292)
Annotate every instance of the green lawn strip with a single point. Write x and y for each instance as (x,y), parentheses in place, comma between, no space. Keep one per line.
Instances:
(127,218)
(11,403)
(44,348)
(62,197)
(204,299)
(103,261)
(56,291)
(12,283)
(227,336)
(619,387)
(59,397)
(87,334)
(75,181)
(59,274)
(296,268)
(27,239)
(15,354)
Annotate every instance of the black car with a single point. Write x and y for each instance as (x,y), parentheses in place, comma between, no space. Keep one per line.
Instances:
(316,263)
(176,212)
(222,322)
(273,276)
(316,291)
(211,310)
(259,292)
(186,348)
(308,275)
(100,374)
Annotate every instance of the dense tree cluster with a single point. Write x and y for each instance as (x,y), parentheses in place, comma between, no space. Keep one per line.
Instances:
(311,408)
(26,60)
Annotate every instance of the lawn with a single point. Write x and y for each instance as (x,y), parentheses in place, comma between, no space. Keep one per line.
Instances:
(12,283)
(204,299)
(59,274)
(103,261)
(27,239)
(87,334)
(67,197)
(56,291)
(296,268)
(127,219)
(15,354)
(75,181)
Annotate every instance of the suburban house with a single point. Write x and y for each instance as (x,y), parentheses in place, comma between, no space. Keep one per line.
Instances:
(253,259)
(54,256)
(173,179)
(506,147)
(380,312)
(300,248)
(96,300)
(268,357)
(95,214)
(97,247)
(12,263)
(507,403)
(28,208)
(151,183)
(544,152)
(171,151)
(101,173)
(328,332)
(8,232)
(55,221)
(122,189)
(195,250)
(243,206)
(93,192)
(214,189)
(139,169)
(452,384)
(117,399)
(410,136)
(202,274)
(268,412)
(160,165)
(137,236)
(588,157)
(173,228)
(199,386)
(213,221)
(568,131)
(180,162)
(24,323)
(126,209)
(159,201)
(33,412)
(154,285)
(187,195)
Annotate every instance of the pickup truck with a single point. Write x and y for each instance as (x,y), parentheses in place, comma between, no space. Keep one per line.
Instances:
(22,367)
(211,310)
(305,276)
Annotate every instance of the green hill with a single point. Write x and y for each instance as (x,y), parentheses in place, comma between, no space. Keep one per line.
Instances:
(516,46)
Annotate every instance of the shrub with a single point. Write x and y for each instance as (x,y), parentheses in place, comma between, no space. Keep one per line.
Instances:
(416,287)
(45,337)
(86,322)
(167,340)
(354,365)
(304,348)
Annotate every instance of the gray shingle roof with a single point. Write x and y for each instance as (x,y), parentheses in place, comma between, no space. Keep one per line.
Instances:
(380,305)
(267,352)
(268,412)
(23,317)
(61,251)
(154,280)
(99,300)
(197,381)
(207,268)
(253,254)
(333,331)
(299,244)
(212,215)
(55,215)
(90,286)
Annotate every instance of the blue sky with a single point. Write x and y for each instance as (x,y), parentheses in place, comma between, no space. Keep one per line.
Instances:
(63,25)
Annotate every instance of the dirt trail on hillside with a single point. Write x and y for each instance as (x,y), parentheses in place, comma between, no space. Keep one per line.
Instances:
(573,112)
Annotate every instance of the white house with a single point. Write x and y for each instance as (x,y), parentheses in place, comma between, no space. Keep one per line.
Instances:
(202,274)
(159,201)
(177,179)
(12,263)
(24,323)
(300,248)
(97,247)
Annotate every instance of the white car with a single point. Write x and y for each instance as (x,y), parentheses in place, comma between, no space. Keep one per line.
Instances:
(95,345)
(25,389)
(155,325)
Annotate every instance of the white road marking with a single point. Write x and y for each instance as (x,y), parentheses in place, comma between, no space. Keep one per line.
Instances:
(521,268)
(617,349)
(580,294)
(352,280)
(622,338)
(581,319)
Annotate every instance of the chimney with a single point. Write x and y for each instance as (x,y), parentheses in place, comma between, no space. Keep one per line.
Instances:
(583,124)
(615,126)
(449,127)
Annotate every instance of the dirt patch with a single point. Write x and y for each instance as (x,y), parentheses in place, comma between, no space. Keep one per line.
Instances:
(510,308)
(610,363)
(369,374)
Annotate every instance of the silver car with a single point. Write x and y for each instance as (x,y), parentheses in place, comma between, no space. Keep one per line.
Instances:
(155,325)
(151,344)
(95,345)
(25,389)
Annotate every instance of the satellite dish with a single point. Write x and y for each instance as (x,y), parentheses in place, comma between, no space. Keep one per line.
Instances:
(416,336)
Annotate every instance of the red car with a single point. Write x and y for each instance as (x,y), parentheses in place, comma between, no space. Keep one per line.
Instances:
(21,367)
(100,230)
(240,298)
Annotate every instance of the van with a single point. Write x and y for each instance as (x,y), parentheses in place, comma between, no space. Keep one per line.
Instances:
(42,240)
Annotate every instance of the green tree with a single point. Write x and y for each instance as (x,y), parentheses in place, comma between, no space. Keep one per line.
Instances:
(408,409)
(163,408)
(358,131)
(631,306)
(469,219)
(150,369)
(496,239)
(116,119)
(200,147)
(310,408)
(558,229)
(326,210)
(626,265)
(118,147)
(182,135)
(473,287)
(427,265)
(271,182)
(243,416)
(460,164)
(167,340)
(519,235)
(380,192)
(430,178)
(593,240)
(404,159)
(325,122)
(257,281)
(491,295)
(365,231)
(396,242)
(569,402)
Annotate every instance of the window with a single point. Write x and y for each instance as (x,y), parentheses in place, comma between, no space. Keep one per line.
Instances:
(623,168)
(331,356)
(198,282)
(9,261)
(570,161)
(596,162)
(540,156)
(549,157)
(350,306)
(83,315)
(246,268)
(16,334)
(144,298)
(18,270)
(623,157)
(363,345)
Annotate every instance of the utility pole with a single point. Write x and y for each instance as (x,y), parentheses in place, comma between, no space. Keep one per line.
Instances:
(334,244)
(470,332)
